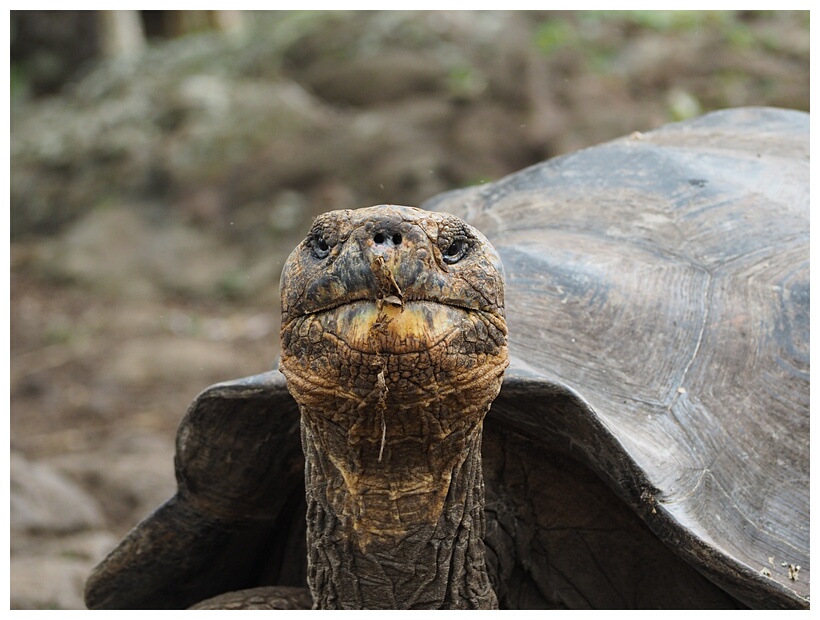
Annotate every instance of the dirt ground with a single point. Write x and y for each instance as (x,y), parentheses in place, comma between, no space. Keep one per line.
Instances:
(146,247)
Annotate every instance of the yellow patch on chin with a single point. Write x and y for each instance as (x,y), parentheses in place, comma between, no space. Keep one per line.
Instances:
(416,326)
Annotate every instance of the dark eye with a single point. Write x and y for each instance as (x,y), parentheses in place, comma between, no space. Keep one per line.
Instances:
(455,251)
(320,247)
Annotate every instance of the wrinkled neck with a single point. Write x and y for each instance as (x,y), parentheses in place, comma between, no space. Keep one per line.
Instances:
(392,401)
(400,532)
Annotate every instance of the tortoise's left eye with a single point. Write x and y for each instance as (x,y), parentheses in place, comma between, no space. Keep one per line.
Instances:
(320,247)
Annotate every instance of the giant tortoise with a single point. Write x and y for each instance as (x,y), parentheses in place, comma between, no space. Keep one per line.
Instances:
(649,446)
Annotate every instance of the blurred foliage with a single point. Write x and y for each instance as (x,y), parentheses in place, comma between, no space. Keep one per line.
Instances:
(585,29)
(599,37)
(667,21)
(311,109)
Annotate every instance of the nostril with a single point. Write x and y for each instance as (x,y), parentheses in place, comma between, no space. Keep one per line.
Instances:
(381,238)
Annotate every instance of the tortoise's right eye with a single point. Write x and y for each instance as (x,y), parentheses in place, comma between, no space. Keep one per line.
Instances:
(455,250)
(320,247)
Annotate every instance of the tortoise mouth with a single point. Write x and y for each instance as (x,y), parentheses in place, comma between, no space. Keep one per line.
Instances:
(382,326)
(394,301)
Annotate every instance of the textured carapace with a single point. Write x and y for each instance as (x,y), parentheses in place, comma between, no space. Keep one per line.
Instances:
(394,345)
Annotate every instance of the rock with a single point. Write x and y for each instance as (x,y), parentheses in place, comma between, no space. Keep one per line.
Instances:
(48,582)
(90,546)
(50,573)
(406,161)
(150,361)
(133,472)
(56,539)
(375,79)
(222,123)
(141,259)
(490,137)
(45,500)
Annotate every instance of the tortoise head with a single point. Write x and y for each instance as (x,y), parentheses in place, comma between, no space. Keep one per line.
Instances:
(397,296)
(386,288)
(391,255)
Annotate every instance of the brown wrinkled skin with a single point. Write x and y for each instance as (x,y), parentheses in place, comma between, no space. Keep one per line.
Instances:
(394,345)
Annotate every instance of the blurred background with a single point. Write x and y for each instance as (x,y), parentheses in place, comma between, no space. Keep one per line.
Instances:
(164,164)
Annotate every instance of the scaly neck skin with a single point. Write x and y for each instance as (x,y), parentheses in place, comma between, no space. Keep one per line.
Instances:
(393,477)
(416,544)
